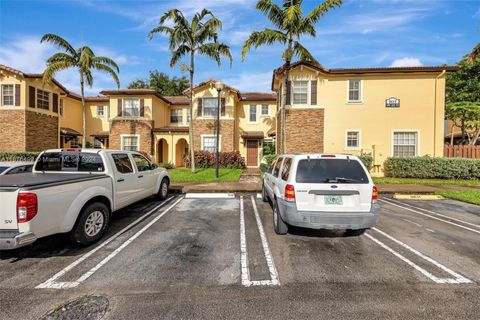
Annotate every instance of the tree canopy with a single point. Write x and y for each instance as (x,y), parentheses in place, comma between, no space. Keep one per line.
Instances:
(161,83)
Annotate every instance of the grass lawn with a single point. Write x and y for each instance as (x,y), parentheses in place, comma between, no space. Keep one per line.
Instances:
(205,175)
(426,181)
(470,196)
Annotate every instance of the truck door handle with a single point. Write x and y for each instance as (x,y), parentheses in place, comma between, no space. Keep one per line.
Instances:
(140,176)
(120,180)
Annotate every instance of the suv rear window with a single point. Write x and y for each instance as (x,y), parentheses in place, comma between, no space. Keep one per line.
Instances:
(330,171)
(70,161)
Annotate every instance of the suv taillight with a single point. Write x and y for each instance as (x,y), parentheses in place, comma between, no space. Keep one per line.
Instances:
(289,193)
(374,194)
(27,207)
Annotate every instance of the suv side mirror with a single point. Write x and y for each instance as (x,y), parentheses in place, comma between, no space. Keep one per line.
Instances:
(154,166)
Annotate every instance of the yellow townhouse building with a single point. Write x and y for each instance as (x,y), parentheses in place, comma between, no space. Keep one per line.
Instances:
(383,111)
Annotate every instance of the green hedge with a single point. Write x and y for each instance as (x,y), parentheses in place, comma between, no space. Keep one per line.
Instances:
(18,156)
(432,168)
(367,160)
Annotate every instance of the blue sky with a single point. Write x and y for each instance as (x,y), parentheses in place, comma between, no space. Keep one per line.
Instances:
(361,33)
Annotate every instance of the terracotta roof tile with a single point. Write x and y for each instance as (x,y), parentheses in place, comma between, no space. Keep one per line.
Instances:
(178,100)
(258,96)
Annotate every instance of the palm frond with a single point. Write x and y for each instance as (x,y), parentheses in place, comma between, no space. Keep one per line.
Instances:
(292,17)
(59,42)
(215,51)
(107,69)
(106,61)
(61,56)
(272,11)
(301,52)
(160,29)
(88,77)
(258,38)
(178,54)
(322,10)
(53,68)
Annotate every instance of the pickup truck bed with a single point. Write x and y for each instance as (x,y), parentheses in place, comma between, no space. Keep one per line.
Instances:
(30,181)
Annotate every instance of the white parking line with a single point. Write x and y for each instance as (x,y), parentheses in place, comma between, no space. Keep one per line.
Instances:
(457,277)
(436,218)
(52,284)
(209,195)
(245,272)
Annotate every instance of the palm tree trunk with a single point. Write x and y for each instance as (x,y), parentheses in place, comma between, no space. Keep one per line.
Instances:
(84,110)
(190,131)
(284,116)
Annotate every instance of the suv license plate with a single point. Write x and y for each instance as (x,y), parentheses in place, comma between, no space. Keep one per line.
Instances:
(333,200)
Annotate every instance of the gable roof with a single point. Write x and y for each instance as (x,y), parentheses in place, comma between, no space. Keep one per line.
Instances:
(133,92)
(211,82)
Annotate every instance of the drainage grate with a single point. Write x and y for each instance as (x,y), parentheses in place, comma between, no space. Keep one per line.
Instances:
(85,308)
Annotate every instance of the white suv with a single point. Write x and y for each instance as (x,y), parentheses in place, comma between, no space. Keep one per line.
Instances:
(321,191)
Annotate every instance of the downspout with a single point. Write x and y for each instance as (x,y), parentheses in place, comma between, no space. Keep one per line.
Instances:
(435,114)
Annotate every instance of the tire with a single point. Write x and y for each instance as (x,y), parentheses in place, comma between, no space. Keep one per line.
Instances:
(354,232)
(164,188)
(279,226)
(264,194)
(91,224)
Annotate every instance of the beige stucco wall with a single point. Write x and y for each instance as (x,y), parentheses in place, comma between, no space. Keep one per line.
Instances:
(421,110)
(172,147)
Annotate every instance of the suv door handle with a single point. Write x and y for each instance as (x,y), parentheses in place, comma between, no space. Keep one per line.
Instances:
(140,176)
(120,180)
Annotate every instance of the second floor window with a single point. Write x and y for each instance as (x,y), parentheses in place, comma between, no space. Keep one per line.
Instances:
(43,99)
(131,108)
(100,111)
(265,110)
(253,113)
(354,91)
(300,92)
(210,106)
(176,116)
(7,95)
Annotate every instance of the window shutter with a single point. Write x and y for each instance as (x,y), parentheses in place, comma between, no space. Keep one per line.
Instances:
(223,107)
(142,107)
(17,95)
(200,113)
(119,106)
(313,92)
(31,97)
(289,92)
(55,103)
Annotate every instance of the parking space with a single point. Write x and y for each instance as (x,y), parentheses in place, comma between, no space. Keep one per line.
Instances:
(189,252)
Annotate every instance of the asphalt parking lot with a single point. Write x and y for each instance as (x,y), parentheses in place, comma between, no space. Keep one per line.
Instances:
(195,258)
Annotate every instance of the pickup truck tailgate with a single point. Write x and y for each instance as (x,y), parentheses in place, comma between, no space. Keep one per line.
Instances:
(8,209)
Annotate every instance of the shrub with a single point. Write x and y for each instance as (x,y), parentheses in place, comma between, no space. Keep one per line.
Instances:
(269,159)
(206,159)
(432,168)
(166,165)
(18,156)
(367,160)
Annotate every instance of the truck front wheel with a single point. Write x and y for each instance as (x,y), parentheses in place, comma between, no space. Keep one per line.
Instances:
(91,224)
(164,188)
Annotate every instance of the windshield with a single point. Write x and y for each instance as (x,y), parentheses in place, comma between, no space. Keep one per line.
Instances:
(70,161)
(3,169)
(330,171)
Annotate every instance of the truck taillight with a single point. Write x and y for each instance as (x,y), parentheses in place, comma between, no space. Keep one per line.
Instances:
(289,193)
(374,194)
(27,207)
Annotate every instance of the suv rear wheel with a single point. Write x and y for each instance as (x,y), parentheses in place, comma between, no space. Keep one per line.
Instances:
(91,224)
(264,194)
(279,226)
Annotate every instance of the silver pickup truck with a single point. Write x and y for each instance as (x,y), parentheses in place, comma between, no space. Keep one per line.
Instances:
(74,191)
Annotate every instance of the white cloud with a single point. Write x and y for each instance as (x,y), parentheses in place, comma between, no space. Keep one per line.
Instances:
(249,81)
(407,62)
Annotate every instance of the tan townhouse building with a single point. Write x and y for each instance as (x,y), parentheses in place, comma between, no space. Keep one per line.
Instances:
(383,111)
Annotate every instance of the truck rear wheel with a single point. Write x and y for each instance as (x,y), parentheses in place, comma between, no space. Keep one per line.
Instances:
(91,224)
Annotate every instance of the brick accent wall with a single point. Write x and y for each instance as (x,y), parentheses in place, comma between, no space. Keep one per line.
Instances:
(207,126)
(140,127)
(12,135)
(305,130)
(41,131)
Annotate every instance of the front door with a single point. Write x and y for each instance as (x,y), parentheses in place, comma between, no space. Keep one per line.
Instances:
(252,153)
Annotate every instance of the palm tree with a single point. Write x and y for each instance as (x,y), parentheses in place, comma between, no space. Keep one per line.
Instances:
(187,38)
(475,54)
(84,60)
(290,25)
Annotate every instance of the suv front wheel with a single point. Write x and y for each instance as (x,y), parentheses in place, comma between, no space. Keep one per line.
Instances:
(279,226)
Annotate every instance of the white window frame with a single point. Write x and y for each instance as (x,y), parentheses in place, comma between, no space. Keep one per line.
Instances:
(250,108)
(360,94)
(97,113)
(359,146)
(292,100)
(417,131)
(261,110)
(180,111)
(123,107)
(129,136)
(37,98)
(12,95)
(100,145)
(211,136)
(204,104)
